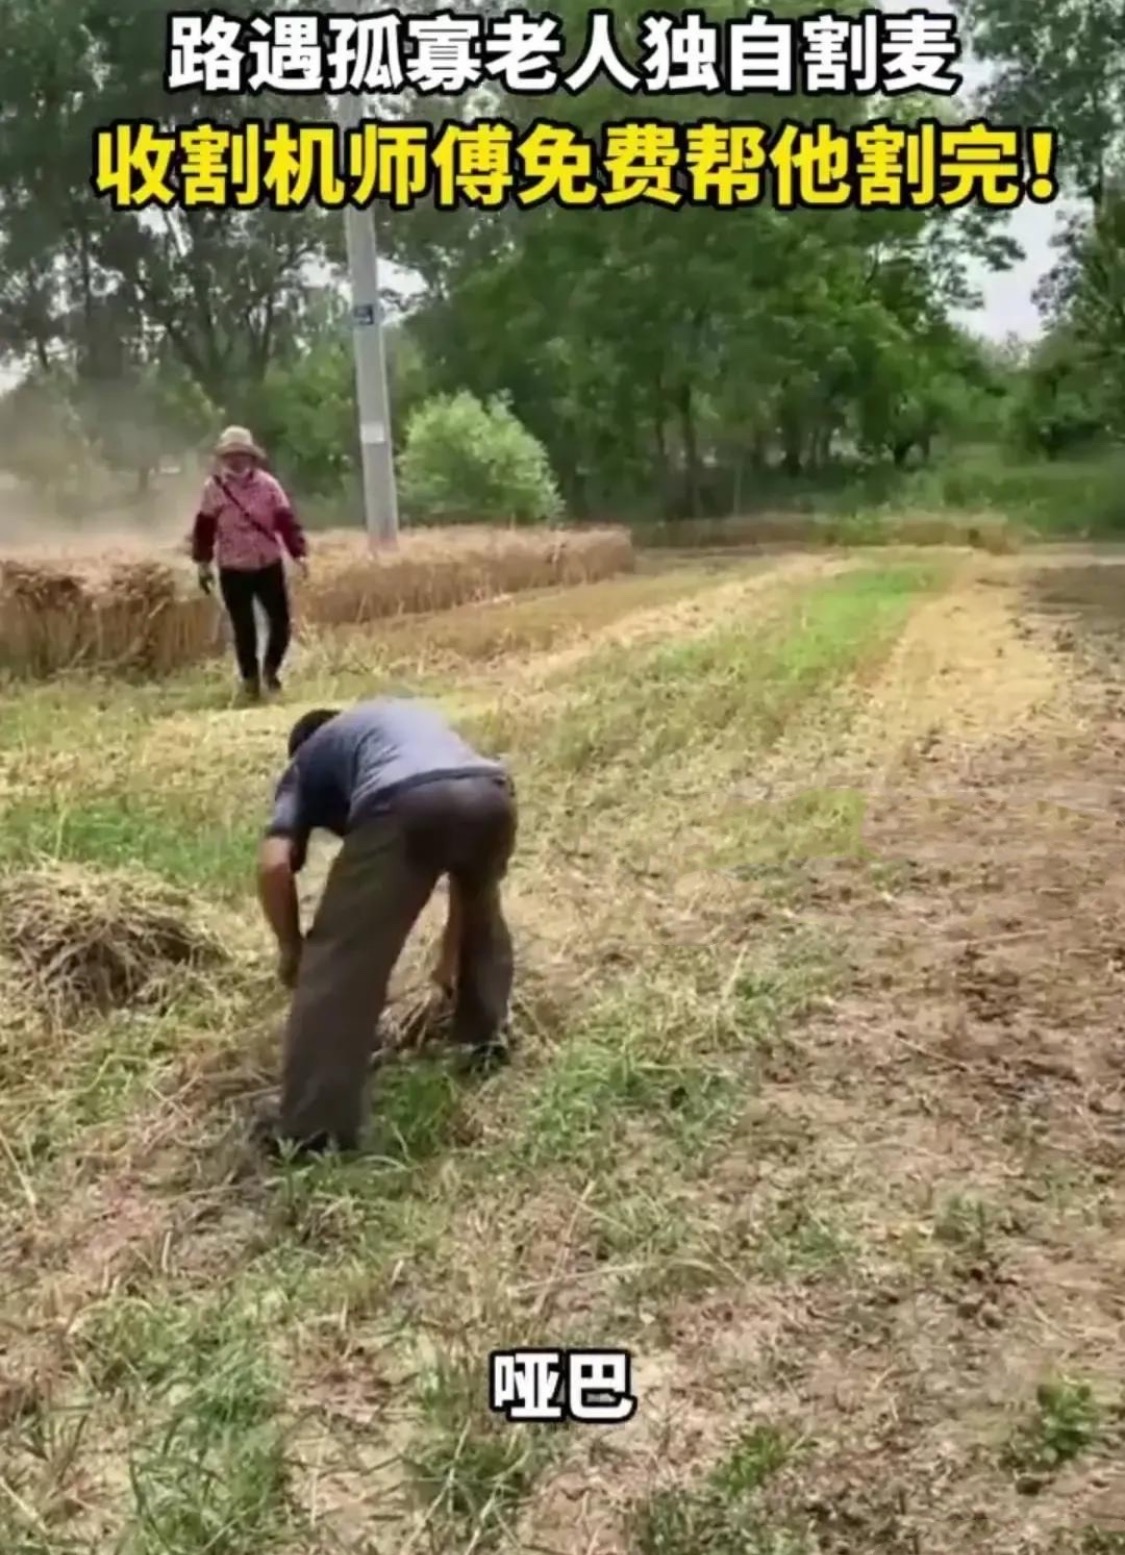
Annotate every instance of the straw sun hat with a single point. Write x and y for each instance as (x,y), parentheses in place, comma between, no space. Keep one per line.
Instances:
(237,440)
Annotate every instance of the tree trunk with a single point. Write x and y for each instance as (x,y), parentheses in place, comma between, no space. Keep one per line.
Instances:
(686,409)
(792,450)
(665,496)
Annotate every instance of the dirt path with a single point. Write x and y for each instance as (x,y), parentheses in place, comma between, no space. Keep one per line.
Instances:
(974,1079)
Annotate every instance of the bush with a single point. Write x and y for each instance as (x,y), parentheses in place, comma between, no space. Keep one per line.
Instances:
(1072,497)
(468,462)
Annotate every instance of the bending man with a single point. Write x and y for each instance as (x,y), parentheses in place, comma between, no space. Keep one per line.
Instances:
(412,802)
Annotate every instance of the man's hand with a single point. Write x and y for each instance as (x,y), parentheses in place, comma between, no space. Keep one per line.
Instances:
(303,568)
(289,964)
(206,577)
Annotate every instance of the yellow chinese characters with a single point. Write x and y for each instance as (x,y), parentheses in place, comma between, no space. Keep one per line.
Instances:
(489,163)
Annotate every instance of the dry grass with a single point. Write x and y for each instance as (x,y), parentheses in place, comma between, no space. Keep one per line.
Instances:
(91,941)
(124,610)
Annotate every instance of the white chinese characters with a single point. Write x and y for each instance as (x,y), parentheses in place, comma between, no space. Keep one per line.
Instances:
(447,53)
(542,1387)
(526,1385)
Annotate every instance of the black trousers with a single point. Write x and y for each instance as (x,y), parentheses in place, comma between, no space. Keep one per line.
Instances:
(380,881)
(239,591)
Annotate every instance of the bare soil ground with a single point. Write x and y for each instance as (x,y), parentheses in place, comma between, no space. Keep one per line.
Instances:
(819,1108)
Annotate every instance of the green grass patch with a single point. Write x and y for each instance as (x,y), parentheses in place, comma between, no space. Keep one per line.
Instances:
(772,837)
(659,1239)
(99,1073)
(1067,1421)
(766,995)
(1054,498)
(198,844)
(804,1240)
(1101,1541)
(214,1474)
(629,1061)
(82,709)
(970,1224)
(942,502)
(739,684)
(418,1113)
(726,1514)
(471,1469)
(205,1468)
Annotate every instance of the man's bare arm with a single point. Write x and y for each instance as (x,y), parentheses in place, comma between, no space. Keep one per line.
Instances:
(277,892)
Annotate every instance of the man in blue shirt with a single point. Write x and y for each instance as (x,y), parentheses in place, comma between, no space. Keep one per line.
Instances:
(412,802)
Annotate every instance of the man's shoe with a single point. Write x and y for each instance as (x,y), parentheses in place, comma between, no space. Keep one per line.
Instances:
(251,691)
(273,685)
(484,1057)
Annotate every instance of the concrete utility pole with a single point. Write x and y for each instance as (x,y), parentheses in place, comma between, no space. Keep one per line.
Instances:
(380,493)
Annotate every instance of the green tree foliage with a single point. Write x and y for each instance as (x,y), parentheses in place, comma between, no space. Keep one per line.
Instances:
(115,295)
(1058,64)
(671,360)
(1055,408)
(467,461)
(1062,64)
(1071,395)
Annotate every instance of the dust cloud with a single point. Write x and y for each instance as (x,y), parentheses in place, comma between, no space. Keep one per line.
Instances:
(37,525)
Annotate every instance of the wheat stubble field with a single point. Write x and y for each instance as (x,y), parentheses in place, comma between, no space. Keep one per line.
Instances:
(818,1107)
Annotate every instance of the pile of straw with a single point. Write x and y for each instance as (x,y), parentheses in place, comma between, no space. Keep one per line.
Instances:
(41,588)
(45,613)
(134,612)
(422,1018)
(89,940)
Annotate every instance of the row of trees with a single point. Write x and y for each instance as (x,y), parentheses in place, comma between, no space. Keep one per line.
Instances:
(668,363)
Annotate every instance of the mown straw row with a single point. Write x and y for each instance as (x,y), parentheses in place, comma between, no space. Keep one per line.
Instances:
(144,616)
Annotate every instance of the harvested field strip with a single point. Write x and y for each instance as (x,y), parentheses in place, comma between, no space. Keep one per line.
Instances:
(940,697)
(366,1398)
(142,617)
(80,739)
(730,593)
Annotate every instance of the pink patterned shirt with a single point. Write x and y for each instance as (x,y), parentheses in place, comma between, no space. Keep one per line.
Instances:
(243,521)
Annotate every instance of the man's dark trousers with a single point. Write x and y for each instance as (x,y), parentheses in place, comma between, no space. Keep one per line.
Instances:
(380,881)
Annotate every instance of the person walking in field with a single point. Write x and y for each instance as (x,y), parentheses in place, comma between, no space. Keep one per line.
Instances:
(244,519)
(413,802)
